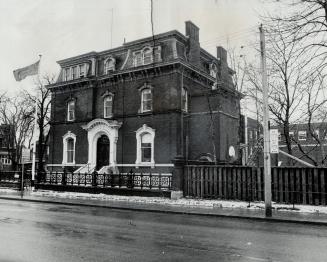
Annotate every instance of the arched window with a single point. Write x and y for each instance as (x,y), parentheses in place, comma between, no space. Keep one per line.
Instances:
(69,140)
(107,106)
(147,56)
(109,65)
(70,150)
(145,145)
(146,100)
(71,110)
(184,100)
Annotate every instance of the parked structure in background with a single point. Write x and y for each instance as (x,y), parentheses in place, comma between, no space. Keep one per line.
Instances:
(309,143)
(5,147)
(143,104)
(251,141)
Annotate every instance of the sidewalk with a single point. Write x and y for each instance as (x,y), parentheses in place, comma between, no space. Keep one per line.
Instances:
(316,215)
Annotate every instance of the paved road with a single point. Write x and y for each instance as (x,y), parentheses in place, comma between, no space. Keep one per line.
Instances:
(48,232)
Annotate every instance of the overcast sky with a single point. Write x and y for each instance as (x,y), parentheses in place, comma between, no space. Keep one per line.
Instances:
(59,29)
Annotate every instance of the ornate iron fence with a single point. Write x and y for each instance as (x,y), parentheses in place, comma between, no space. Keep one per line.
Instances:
(146,181)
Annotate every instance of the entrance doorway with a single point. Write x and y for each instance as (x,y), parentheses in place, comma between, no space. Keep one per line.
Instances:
(102,152)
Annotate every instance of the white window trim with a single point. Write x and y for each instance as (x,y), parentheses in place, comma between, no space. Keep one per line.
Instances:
(104,106)
(155,53)
(65,138)
(107,69)
(69,76)
(303,133)
(68,119)
(151,55)
(213,70)
(139,133)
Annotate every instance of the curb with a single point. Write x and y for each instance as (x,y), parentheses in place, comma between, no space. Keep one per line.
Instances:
(176,212)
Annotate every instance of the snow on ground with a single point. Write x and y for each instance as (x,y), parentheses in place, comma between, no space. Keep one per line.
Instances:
(183,202)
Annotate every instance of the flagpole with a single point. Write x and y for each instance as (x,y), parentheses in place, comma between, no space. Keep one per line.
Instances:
(34,132)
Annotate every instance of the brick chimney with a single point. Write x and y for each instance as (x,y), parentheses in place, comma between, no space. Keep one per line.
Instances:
(192,31)
(222,66)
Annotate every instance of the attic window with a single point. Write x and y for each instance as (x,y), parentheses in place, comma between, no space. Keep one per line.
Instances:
(213,70)
(147,56)
(109,65)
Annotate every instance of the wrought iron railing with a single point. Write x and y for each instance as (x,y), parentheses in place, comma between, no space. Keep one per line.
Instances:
(154,181)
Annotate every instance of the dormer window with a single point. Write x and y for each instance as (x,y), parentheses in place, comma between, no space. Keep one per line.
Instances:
(213,70)
(74,72)
(66,75)
(109,65)
(82,71)
(137,60)
(147,55)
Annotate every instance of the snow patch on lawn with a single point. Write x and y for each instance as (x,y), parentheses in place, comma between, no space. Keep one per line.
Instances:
(183,202)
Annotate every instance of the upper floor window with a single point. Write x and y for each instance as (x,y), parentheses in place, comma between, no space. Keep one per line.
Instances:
(82,70)
(67,74)
(302,135)
(71,110)
(317,133)
(147,56)
(291,134)
(69,141)
(109,65)
(107,106)
(184,100)
(213,70)
(146,100)
(75,72)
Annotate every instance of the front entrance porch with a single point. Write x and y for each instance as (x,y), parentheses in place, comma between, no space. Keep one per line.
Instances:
(103,146)
(102,136)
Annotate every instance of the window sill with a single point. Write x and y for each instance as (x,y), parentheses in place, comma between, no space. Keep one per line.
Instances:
(145,164)
(145,113)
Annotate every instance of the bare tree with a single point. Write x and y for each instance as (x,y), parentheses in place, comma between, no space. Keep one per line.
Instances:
(314,117)
(17,114)
(41,97)
(307,21)
(288,70)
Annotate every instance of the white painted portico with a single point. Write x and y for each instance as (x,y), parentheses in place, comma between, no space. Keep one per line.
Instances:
(95,129)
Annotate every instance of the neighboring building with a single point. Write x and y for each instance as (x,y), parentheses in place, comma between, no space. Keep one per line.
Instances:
(5,147)
(143,104)
(313,149)
(252,141)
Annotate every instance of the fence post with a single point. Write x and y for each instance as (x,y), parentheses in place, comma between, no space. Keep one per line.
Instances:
(94,178)
(178,178)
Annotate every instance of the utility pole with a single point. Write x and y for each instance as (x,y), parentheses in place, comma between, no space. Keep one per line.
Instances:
(266,135)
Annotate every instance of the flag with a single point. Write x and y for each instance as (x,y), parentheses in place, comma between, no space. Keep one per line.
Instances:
(30,70)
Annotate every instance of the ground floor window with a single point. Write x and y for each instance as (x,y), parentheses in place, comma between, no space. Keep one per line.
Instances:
(145,145)
(69,142)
